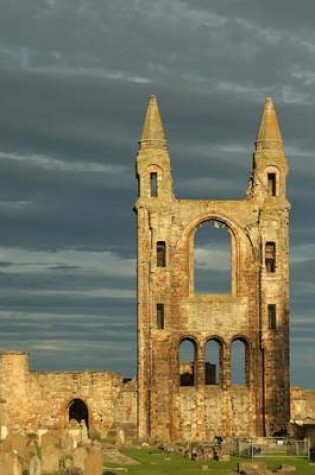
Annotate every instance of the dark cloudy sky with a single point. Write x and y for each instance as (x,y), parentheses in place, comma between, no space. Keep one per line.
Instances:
(74,80)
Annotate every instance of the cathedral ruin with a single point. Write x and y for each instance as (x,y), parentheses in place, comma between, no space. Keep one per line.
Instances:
(254,313)
(196,399)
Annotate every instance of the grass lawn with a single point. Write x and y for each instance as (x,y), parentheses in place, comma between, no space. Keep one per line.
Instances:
(155,462)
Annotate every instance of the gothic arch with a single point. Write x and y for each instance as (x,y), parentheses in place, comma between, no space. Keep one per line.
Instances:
(213,357)
(237,235)
(241,374)
(187,366)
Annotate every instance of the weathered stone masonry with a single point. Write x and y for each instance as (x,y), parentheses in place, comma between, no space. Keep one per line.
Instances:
(31,400)
(255,312)
(190,400)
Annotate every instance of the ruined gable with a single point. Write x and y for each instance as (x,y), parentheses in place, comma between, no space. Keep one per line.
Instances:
(254,314)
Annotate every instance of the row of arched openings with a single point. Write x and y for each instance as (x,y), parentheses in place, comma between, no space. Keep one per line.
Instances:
(212,362)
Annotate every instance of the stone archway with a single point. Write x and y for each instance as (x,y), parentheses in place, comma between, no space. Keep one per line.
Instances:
(78,410)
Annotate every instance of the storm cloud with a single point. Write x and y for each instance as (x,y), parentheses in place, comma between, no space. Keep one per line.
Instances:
(74,80)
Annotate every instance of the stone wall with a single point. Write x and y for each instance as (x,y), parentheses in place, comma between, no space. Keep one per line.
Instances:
(302,412)
(255,313)
(30,400)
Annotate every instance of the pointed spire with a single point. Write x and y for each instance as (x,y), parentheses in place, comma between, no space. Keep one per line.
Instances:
(269,136)
(152,136)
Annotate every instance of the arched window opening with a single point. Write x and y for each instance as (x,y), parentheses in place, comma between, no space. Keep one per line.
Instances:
(272,184)
(187,363)
(154,184)
(270,256)
(238,362)
(212,258)
(78,410)
(161,254)
(212,362)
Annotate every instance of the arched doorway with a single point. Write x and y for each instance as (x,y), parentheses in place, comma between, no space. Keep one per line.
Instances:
(78,410)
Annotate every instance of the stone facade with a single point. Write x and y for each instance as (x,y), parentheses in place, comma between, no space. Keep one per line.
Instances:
(255,312)
(31,400)
(187,400)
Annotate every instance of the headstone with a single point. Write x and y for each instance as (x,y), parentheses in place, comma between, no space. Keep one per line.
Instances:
(94,462)
(66,464)
(51,457)
(74,471)
(67,443)
(3,432)
(10,464)
(257,466)
(15,442)
(288,468)
(75,432)
(17,465)
(31,448)
(40,433)
(50,439)
(79,457)
(121,437)
(35,466)
(84,432)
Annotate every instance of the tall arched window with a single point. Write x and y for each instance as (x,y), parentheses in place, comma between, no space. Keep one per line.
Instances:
(238,362)
(187,362)
(212,362)
(212,258)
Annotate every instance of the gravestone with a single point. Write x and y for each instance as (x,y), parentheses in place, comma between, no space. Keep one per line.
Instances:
(15,442)
(67,444)
(51,456)
(75,432)
(3,432)
(94,462)
(79,457)
(121,437)
(35,467)
(84,432)
(50,439)
(10,464)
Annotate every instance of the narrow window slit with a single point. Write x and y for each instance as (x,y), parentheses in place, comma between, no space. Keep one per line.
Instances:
(161,254)
(154,184)
(270,257)
(272,184)
(160,316)
(272,316)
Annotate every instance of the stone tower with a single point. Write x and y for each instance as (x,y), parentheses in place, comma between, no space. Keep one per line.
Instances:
(195,400)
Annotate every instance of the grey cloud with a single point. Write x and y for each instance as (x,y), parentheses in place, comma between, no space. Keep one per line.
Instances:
(74,80)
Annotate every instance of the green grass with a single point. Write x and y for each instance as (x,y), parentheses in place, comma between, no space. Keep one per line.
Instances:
(155,462)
